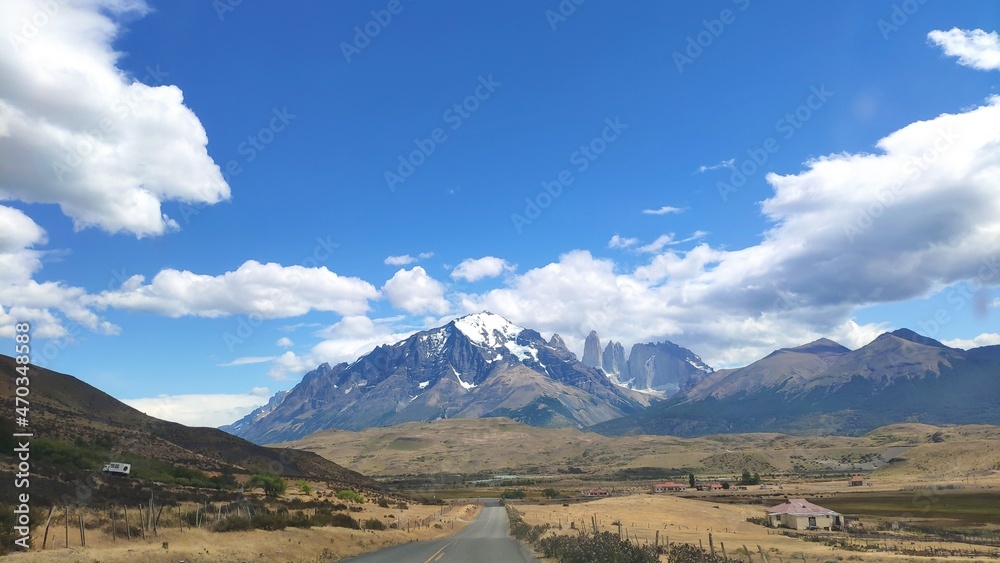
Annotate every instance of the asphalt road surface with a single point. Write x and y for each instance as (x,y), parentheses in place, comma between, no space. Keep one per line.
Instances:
(484,540)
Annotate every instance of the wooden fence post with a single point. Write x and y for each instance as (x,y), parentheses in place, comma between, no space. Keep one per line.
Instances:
(128,529)
(67,525)
(83,535)
(45,540)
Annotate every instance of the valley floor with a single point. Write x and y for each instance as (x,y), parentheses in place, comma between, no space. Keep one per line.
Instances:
(647,518)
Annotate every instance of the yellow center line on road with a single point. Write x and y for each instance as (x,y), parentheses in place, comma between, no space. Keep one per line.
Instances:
(437,554)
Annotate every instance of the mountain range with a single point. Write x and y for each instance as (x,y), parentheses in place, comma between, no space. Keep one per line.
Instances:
(825,388)
(480,365)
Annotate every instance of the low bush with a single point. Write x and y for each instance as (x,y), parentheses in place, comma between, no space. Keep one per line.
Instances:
(374,524)
(233,524)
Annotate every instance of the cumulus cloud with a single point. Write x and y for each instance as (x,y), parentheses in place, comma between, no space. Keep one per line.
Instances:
(78,132)
(666,209)
(45,305)
(984,339)
(284,342)
(414,291)
(266,290)
(849,230)
(474,269)
(211,410)
(975,49)
(618,241)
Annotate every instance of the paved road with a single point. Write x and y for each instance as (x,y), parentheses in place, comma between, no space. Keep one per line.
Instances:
(484,540)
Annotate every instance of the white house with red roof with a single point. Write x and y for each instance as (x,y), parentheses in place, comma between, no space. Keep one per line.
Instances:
(669,487)
(800,514)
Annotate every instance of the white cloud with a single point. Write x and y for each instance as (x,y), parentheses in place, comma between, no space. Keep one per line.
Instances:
(663,210)
(724,164)
(985,339)
(976,48)
(78,132)
(48,305)
(850,230)
(284,342)
(289,364)
(406,259)
(621,242)
(247,360)
(344,341)
(211,410)
(416,292)
(403,260)
(474,269)
(266,290)
(658,244)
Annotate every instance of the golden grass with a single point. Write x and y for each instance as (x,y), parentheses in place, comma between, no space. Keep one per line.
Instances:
(690,521)
(502,445)
(291,544)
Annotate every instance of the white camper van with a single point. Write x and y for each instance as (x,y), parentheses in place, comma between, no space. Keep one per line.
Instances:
(116,468)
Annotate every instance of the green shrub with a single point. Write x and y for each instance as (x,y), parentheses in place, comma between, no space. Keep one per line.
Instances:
(273,485)
(350,496)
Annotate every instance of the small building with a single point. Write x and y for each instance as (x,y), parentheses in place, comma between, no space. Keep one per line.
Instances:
(117,468)
(669,487)
(800,514)
(598,492)
(710,487)
(856,481)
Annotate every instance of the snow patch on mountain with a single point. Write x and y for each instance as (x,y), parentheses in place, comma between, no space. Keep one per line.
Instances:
(460,382)
(487,329)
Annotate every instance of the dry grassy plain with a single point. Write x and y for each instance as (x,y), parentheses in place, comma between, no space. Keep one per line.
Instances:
(504,446)
(675,519)
(288,545)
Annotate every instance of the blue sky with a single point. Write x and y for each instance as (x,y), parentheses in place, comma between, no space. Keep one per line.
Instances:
(202,201)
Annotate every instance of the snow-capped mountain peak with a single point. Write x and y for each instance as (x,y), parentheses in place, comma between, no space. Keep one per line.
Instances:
(488,329)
